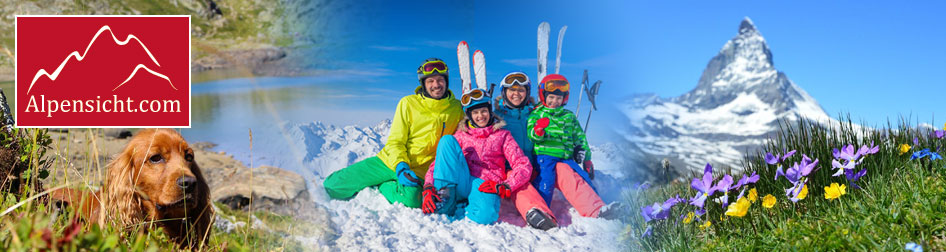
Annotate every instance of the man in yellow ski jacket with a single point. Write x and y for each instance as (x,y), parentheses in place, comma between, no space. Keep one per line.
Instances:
(419,121)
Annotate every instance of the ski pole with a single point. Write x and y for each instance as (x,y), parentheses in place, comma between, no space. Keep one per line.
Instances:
(582,89)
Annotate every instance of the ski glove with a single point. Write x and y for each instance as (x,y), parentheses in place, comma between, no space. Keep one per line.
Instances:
(501,189)
(579,154)
(430,199)
(540,126)
(406,176)
(590,168)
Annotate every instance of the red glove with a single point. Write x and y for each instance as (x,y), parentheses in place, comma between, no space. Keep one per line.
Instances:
(540,126)
(501,189)
(590,168)
(430,199)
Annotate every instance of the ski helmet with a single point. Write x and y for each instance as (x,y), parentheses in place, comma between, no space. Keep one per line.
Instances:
(554,84)
(474,99)
(431,67)
(516,78)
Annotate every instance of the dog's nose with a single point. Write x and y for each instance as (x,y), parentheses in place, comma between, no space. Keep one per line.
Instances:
(187,183)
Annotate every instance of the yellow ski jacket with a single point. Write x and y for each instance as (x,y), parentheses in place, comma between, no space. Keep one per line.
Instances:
(418,124)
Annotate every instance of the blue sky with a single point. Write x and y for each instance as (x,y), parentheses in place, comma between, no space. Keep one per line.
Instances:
(875,60)
(389,40)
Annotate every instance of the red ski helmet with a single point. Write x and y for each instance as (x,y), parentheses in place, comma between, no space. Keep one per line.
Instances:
(554,84)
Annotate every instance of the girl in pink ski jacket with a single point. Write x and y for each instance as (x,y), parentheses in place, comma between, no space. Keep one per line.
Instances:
(469,176)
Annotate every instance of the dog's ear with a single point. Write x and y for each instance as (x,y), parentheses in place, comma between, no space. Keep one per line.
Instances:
(122,205)
(203,221)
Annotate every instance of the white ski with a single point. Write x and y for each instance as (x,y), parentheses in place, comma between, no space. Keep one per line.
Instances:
(558,50)
(543,43)
(463,57)
(479,69)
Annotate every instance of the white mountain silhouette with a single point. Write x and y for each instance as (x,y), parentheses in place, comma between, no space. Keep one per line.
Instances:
(79,57)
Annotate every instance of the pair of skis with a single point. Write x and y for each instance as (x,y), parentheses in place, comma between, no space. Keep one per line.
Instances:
(543,54)
(543,45)
(479,68)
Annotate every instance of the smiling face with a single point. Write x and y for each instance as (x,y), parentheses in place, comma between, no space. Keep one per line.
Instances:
(516,95)
(480,116)
(436,86)
(553,100)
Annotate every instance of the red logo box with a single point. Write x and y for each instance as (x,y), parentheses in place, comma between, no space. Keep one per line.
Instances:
(102,71)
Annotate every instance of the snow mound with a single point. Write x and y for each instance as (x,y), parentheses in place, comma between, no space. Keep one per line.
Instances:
(369,223)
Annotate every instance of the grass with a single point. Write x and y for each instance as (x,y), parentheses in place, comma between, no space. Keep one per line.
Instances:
(29,222)
(901,201)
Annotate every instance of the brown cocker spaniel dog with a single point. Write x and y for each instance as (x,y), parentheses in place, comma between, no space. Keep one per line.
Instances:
(153,182)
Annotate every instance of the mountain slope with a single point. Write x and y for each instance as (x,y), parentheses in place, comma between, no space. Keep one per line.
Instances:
(738,101)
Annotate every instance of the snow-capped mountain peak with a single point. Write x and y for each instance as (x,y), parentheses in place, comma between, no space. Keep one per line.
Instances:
(747,26)
(737,103)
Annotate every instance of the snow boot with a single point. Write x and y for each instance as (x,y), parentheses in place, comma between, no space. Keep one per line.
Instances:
(448,200)
(540,220)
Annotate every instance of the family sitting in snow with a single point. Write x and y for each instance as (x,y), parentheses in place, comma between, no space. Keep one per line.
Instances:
(473,155)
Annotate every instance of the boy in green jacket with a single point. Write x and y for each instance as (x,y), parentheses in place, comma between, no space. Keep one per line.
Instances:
(559,145)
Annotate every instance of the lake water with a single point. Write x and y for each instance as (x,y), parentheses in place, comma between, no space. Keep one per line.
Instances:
(224,111)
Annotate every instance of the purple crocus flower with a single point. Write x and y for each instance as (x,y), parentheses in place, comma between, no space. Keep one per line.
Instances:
(775,159)
(723,186)
(939,133)
(796,175)
(704,187)
(846,161)
(746,180)
(868,149)
(798,170)
(854,176)
(659,211)
(793,192)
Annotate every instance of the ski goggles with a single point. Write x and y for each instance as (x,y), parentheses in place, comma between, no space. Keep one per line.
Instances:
(556,85)
(515,79)
(472,95)
(516,88)
(435,66)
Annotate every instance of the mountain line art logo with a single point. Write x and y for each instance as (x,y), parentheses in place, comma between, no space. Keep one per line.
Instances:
(79,57)
(102,71)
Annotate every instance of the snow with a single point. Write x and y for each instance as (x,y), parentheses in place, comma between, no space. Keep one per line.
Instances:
(369,223)
(736,105)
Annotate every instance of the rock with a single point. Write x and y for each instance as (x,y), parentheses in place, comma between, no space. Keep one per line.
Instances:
(202,145)
(269,188)
(117,133)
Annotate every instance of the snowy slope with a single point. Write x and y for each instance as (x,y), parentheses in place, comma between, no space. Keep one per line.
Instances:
(368,223)
(738,102)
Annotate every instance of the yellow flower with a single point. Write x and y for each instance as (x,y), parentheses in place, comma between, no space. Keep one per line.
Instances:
(904,148)
(753,195)
(803,193)
(689,218)
(706,225)
(739,209)
(768,201)
(834,191)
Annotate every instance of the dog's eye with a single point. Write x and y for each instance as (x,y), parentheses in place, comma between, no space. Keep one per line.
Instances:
(189,157)
(157,158)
